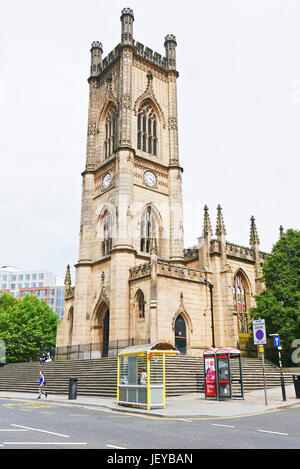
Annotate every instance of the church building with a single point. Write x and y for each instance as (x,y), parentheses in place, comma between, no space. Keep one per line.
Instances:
(135,282)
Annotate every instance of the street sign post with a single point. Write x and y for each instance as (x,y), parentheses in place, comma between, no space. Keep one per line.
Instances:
(259,332)
(260,339)
(276,341)
(277,344)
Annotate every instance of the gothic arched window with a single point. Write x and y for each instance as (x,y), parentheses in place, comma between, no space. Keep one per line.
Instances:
(240,301)
(107,234)
(147,129)
(110,132)
(140,299)
(148,230)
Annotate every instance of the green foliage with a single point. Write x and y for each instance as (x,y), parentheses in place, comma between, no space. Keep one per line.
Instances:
(27,326)
(279,303)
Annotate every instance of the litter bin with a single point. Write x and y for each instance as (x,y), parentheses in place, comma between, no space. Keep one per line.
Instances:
(72,388)
(296,379)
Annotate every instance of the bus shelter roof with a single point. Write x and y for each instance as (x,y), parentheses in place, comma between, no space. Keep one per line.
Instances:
(220,350)
(156,347)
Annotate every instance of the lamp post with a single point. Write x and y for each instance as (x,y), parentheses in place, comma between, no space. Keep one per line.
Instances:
(212,310)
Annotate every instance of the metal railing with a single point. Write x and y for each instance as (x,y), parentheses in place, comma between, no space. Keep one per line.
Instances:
(271,354)
(94,350)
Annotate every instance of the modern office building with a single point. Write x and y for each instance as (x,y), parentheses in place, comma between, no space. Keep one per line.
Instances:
(42,283)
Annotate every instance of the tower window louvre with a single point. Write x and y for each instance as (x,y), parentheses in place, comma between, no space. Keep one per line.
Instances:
(110,132)
(148,230)
(107,234)
(147,129)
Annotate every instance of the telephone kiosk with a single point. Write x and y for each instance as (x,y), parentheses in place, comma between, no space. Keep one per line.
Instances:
(223,377)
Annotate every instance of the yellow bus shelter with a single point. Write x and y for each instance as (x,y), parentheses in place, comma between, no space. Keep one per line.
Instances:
(142,375)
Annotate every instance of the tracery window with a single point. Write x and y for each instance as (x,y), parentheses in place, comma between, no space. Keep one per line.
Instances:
(148,230)
(141,304)
(147,129)
(240,302)
(110,132)
(107,234)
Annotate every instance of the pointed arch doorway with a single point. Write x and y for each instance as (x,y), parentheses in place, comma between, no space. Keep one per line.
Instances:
(105,338)
(180,334)
(101,330)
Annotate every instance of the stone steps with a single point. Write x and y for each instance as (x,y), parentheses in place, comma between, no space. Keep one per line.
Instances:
(98,377)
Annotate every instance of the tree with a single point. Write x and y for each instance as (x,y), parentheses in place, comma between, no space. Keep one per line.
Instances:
(279,303)
(27,326)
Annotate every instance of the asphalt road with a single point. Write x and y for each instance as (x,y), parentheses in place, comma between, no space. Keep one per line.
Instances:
(42,424)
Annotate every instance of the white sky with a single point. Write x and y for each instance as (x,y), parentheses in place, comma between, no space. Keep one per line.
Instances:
(239,115)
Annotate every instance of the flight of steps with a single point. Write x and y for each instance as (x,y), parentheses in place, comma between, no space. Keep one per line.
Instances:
(98,377)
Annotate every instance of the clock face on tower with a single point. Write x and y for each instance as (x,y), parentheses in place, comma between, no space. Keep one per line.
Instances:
(106,181)
(150,179)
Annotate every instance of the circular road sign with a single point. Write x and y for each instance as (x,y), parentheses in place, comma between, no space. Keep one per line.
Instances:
(259,334)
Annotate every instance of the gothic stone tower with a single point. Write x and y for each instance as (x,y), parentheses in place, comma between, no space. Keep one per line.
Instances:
(134,280)
(131,190)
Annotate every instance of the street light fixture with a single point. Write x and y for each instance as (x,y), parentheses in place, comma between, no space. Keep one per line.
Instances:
(212,310)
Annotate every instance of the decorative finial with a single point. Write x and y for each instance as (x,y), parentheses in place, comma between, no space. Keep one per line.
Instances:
(206,224)
(254,239)
(170,50)
(96,58)
(149,78)
(127,19)
(68,277)
(280,231)
(220,229)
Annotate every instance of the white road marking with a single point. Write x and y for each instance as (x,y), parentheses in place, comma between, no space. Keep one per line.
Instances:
(116,447)
(185,420)
(273,433)
(12,430)
(220,425)
(31,443)
(42,431)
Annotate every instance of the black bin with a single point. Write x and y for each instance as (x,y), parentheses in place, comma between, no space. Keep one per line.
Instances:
(296,379)
(72,388)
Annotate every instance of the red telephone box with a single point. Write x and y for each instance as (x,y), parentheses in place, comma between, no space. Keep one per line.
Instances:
(210,374)
(218,376)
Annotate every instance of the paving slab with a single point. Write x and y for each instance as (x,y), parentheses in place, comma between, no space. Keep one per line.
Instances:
(190,406)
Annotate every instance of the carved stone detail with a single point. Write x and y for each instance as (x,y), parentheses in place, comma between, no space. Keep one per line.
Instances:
(125,102)
(172,123)
(92,129)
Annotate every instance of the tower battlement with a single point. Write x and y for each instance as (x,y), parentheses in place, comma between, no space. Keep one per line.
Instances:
(167,62)
(140,50)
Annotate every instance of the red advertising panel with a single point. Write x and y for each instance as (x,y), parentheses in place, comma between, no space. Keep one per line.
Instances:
(210,377)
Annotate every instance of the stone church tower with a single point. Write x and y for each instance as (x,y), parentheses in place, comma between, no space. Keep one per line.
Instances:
(135,282)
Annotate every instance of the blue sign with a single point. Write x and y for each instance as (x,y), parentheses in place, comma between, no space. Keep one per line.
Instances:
(259,334)
(276,341)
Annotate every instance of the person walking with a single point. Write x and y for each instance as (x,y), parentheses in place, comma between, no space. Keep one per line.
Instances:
(41,385)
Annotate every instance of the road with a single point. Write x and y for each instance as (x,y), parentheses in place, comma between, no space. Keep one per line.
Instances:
(42,424)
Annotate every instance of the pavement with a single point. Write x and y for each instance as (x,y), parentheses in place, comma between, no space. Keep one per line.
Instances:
(187,406)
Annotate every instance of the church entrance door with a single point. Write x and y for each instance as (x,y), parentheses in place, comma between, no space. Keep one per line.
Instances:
(105,343)
(180,334)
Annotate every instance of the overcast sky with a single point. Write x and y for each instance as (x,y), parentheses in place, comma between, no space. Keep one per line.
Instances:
(239,116)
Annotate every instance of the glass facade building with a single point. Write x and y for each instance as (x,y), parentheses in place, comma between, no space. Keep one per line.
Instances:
(42,283)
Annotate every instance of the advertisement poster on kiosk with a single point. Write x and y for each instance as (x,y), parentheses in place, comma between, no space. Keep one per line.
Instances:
(210,377)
